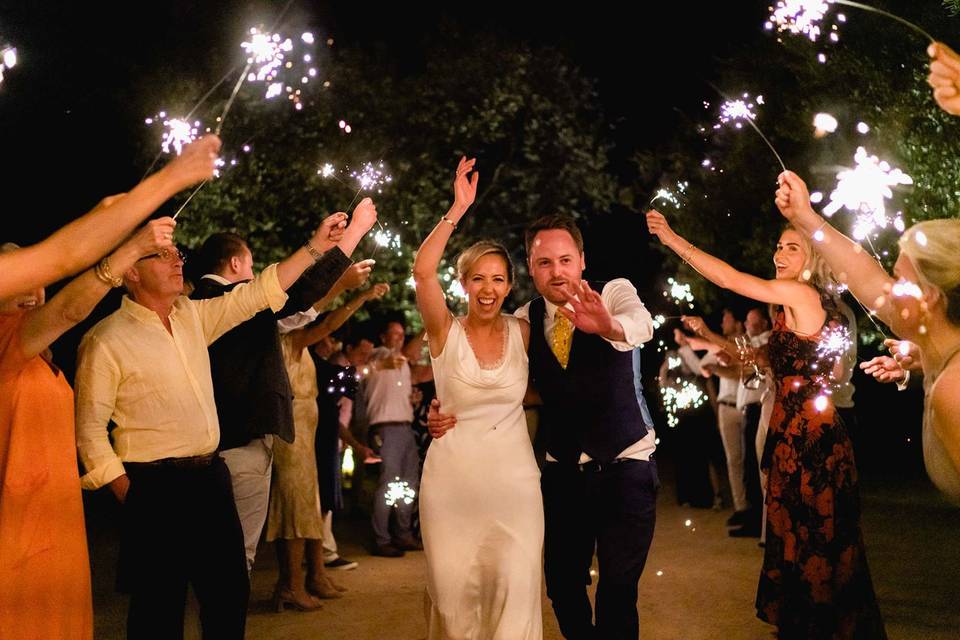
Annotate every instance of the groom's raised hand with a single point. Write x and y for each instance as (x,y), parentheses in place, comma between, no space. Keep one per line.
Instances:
(589,314)
(439,423)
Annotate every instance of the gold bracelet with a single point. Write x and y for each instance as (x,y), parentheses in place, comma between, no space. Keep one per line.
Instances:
(312,250)
(102,271)
(818,234)
(448,221)
(690,250)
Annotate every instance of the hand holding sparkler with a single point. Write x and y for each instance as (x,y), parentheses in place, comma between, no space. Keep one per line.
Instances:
(906,353)
(793,201)
(658,226)
(196,164)
(589,314)
(377,291)
(356,275)
(439,423)
(694,323)
(329,233)
(155,237)
(363,218)
(945,77)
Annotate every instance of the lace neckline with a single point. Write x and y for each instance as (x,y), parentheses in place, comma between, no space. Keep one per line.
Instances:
(503,347)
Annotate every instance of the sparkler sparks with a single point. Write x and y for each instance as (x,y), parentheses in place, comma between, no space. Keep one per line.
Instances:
(737,110)
(864,190)
(371,177)
(679,292)
(399,491)
(804,17)
(823,124)
(8,59)
(906,289)
(834,343)
(680,396)
(658,321)
(178,132)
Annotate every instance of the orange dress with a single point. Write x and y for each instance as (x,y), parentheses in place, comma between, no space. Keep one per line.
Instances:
(44,568)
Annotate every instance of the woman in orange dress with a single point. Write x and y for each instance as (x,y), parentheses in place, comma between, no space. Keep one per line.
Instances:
(44,569)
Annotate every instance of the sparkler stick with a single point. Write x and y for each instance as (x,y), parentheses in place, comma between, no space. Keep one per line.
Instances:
(739,110)
(887,14)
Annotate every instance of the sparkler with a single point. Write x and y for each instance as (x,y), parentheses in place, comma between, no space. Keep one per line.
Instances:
(864,190)
(680,396)
(178,132)
(399,491)
(679,292)
(834,343)
(8,59)
(805,17)
(823,124)
(740,111)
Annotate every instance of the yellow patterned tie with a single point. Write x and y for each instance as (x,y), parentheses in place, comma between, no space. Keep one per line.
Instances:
(561,338)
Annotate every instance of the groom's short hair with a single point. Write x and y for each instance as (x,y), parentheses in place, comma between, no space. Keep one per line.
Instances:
(553,221)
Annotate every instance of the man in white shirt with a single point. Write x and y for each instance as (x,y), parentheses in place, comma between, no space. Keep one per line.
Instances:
(389,412)
(146,369)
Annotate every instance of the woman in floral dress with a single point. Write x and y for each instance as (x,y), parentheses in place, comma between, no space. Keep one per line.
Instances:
(815,582)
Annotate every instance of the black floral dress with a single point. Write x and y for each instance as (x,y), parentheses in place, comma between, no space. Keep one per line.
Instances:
(815,582)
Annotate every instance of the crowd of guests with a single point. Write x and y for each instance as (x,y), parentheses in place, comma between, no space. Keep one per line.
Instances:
(215,416)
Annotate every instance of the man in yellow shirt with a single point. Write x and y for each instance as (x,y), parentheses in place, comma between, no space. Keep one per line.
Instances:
(146,369)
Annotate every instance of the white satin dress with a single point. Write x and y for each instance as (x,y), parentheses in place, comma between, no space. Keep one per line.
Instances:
(481,511)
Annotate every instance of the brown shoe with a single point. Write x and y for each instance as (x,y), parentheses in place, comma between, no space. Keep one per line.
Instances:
(387,551)
(324,589)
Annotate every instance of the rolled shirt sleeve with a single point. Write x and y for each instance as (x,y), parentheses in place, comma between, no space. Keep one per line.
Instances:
(97,380)
(219,315)
(624,305)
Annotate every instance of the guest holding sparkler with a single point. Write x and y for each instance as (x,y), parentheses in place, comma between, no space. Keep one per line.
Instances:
(815,582)
(481,509)
(87,239)
(44,570)
(146,368)
(921,303)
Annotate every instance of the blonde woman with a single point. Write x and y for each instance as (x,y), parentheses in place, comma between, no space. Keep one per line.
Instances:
(815,582)
(923,307)
(481,511)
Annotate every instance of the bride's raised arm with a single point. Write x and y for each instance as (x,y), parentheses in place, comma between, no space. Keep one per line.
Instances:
(430,297)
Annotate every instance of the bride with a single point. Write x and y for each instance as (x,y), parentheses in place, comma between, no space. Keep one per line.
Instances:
(480,506)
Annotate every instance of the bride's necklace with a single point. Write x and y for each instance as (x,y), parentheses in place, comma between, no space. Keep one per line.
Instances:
(503,345)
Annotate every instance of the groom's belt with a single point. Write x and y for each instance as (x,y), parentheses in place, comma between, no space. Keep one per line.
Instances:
(596,465)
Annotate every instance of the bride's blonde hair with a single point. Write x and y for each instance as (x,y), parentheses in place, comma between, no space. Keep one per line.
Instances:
(933,247)
(815,270)
(469,256)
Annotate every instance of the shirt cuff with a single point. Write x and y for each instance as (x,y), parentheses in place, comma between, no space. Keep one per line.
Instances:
(275,295)
(103,475)
(634,333)
(902,384)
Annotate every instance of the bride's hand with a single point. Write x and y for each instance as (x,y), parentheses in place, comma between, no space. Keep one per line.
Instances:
(658,226)
(439,423)
(464,184)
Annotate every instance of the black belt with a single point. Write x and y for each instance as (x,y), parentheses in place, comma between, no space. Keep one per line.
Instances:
(193,462)
(597,466)
(727,403)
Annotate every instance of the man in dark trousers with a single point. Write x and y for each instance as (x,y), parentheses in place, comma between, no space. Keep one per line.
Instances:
(251,389)
(599,480)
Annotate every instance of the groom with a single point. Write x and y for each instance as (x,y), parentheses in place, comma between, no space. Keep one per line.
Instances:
(599,482)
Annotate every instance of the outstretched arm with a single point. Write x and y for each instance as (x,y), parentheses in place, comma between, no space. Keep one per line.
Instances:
(87,239)
(783,292)
(868,281)
(430,299)
(945,77)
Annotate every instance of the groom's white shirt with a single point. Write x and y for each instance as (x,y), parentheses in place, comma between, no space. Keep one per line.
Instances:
(621,301)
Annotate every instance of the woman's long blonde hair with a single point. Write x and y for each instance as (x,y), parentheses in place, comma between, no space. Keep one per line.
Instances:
(933,247)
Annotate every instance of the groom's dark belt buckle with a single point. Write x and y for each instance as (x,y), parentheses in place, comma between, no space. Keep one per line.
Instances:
(595,465)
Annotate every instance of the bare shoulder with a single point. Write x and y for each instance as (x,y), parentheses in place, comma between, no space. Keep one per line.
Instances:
(945,405)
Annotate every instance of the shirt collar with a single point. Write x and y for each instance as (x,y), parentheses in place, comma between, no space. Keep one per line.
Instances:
(217,279)
(142,313)
(551,309)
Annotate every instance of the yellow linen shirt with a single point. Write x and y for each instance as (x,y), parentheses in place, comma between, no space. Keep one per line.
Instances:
(155,386)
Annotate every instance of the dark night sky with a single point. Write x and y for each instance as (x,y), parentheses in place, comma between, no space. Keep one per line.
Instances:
(68,129)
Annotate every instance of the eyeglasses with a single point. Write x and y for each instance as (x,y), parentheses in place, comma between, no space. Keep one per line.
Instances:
(168,255)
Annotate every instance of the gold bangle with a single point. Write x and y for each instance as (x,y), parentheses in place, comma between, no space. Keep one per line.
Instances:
(312,250)
(448,221)
(690,250)
(102,271)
